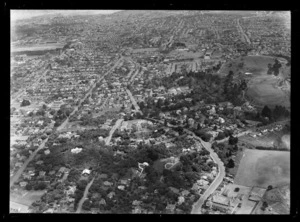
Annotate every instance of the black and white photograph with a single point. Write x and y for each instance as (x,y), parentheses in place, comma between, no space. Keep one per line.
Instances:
(150,111)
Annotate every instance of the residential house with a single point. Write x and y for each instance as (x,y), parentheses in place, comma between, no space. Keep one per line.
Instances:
(106,183)
(121,187)
(110,195)
(23,184)
(86,172)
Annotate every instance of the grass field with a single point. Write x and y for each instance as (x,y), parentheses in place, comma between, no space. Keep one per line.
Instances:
(264,91)
(262,88)
(262,168)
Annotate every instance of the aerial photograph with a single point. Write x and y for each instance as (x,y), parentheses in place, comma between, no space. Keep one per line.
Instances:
(150,112)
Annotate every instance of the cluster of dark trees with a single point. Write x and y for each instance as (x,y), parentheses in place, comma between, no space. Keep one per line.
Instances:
(233,140)
(35,185)
(106,162)
(288,58)
(223,135)
(89,135)
(203,135)
(232,91)
(225,151)
(270,148)
(194,163)
(274,69)
(264,206)
(278,113)
(63,113)
(25,102)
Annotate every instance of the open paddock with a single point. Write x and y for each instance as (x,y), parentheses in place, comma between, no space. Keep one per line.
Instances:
(262,168)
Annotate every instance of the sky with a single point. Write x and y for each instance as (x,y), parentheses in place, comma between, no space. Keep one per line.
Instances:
(24,14)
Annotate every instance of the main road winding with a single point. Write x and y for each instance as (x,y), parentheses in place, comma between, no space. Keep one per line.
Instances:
(219,178)
(217,181)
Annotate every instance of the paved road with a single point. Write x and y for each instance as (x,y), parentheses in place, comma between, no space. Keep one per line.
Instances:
(134,75)
(243,33)
(111,132)
(217,181)
(133,100)
(15,177)
(84,195)
(219,178)
(87,94)
(43,70)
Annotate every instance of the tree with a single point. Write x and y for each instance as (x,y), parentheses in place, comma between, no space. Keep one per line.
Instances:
(142,105)
(198,126)
(243,85)
(28,187)
(220,136)
(232,140)
(228,81)
(230,163)
(165,123)
(86,205)
(25,102)
(264,206)
(266,112)
(270,187)
(40,186)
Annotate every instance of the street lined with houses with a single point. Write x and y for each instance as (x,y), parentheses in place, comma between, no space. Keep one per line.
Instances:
(165,112)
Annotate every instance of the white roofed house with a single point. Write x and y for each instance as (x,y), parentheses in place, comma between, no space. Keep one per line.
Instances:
(86,172)
(23,184)
(76,150)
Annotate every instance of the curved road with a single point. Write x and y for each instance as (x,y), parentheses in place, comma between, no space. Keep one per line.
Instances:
(217,181)
(219,178)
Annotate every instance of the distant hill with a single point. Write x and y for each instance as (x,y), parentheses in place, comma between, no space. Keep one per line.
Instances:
(17,15)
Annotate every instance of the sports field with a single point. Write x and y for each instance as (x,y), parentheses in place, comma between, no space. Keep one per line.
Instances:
(262,168)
